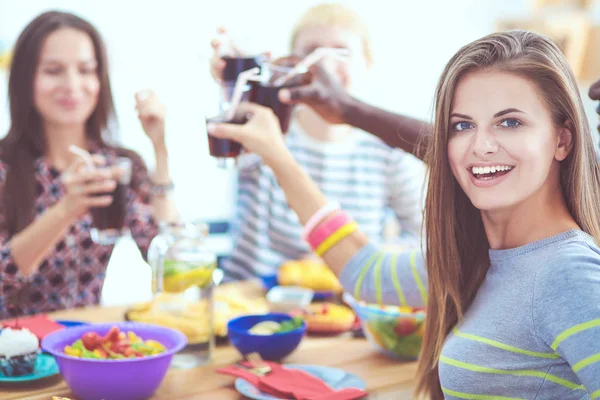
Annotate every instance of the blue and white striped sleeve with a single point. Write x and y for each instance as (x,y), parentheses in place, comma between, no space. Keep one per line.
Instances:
(406,183)
(387,276)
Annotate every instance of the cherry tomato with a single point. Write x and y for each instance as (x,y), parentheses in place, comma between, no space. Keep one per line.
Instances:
(91,340)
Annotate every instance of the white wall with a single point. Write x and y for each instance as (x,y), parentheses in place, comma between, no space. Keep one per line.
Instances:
(165,45)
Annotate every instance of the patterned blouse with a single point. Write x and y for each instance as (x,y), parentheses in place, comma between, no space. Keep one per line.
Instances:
(72,275)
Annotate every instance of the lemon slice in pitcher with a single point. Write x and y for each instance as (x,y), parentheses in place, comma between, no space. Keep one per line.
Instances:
(182,278)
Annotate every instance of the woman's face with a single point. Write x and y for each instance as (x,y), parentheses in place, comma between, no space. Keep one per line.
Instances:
(503,146)
(66,83)
(350,72)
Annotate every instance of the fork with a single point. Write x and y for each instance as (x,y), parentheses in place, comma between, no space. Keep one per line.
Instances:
(258,365)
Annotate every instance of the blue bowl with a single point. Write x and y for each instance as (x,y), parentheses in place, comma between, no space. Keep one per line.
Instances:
(269,281)
(270,347)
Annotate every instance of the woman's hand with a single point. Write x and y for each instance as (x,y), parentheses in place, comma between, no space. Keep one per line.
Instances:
(325,95)
(87,188)
(217,64)
(594,91)
(151,113)
(261,134)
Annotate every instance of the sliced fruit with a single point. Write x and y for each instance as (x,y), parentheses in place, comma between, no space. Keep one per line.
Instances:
(172,267)
(309,273)
(112,335)
(265,328)
(290,325)
(328,318)
(406,310)
(183,280)
(421,330)
(91,340)
(406,326)
(375,335)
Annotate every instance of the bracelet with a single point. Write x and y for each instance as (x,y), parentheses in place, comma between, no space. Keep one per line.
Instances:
(327,228)
(162,189)
(334,239)
(318,217)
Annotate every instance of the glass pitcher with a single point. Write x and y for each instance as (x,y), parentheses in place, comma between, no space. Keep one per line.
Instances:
(182,287)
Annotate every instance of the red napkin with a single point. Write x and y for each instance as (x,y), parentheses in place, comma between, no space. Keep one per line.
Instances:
(292,384)
(40,325)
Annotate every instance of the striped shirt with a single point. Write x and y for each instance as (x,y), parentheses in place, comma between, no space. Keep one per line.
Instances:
(365,175)
(532,331)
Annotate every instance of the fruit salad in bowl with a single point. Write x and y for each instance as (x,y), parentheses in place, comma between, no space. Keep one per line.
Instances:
(274,335)
(396,332)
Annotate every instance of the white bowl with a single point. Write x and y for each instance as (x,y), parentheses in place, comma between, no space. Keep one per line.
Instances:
(289,298)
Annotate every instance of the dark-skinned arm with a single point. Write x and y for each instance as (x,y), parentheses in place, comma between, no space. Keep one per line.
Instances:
(333,103)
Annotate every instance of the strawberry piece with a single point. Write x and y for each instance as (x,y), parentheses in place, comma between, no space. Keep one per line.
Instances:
(102,353)
(91,340)
(406,326)
(112,335)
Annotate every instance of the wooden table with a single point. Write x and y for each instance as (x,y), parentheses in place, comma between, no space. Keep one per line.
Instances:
(385,379)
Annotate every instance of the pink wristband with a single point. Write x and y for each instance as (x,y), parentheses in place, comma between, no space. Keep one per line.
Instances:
(319,217)
(328,228)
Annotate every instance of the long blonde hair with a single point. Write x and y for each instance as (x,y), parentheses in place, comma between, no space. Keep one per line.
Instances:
(457,248)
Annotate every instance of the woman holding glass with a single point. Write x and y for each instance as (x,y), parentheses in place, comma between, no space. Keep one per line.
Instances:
(60,97)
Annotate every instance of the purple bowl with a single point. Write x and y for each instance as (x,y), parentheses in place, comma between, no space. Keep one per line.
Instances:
(129,379)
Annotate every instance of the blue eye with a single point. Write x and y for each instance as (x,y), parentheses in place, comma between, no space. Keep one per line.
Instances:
(462,126)
(511,123)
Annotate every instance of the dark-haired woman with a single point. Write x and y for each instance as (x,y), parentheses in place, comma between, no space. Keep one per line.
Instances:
(60,95)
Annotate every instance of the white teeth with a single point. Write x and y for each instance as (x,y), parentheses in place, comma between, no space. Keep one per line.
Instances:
(491,169)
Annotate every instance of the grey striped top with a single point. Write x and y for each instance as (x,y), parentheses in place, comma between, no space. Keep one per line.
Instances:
(533,330)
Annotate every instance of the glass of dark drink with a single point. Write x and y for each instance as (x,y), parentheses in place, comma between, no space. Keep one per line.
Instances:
(225,151)
(109,222)
(265,90)
(233,67)
(236,65)
(267,95)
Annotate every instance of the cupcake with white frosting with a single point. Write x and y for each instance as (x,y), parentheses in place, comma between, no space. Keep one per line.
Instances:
(19,349)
